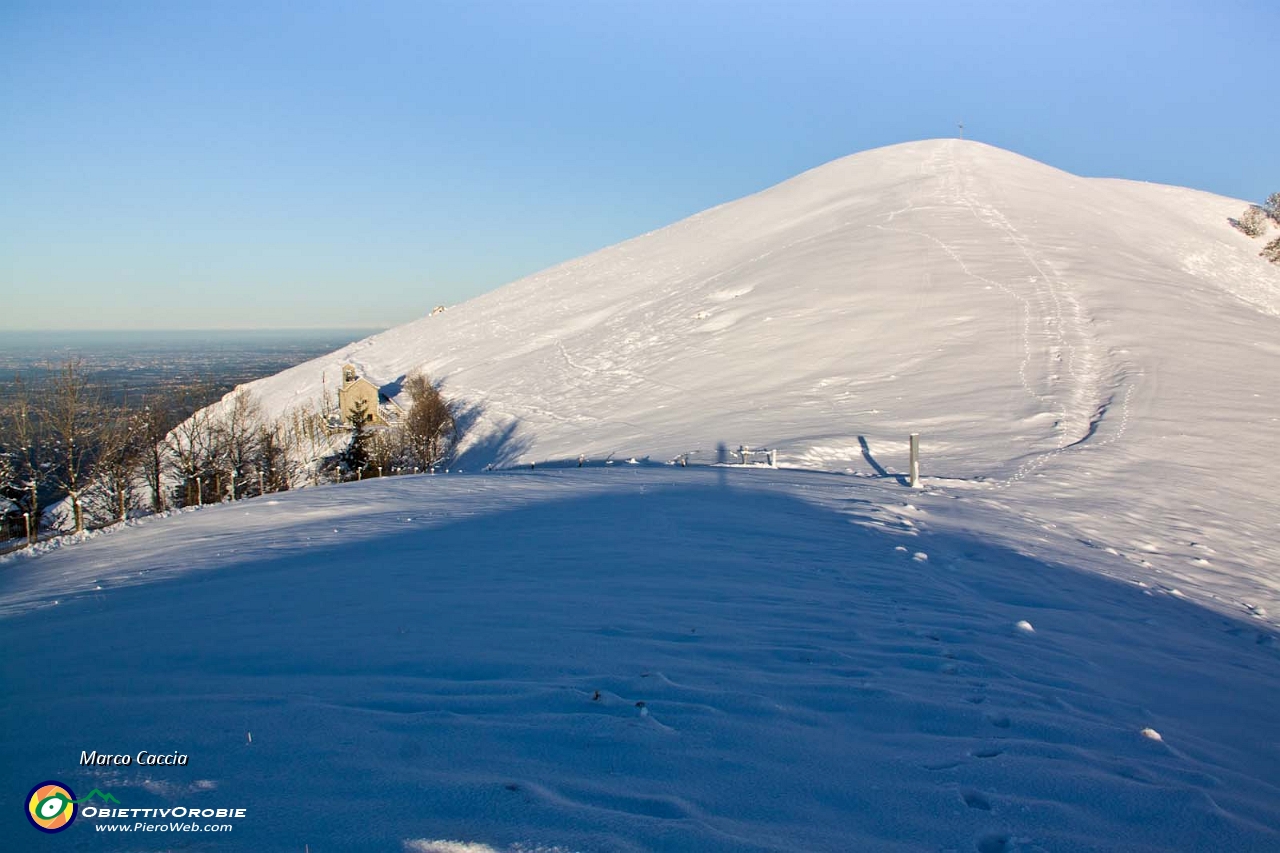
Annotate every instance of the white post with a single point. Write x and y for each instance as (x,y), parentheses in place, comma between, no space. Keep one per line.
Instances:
(773,459)
(199,497)
(233,485)
(26,520)
(915,460)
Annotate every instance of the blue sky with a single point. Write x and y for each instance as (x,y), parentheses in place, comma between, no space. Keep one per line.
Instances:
(201,165)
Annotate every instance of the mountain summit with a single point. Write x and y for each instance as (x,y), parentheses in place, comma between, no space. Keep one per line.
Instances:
(1083,337)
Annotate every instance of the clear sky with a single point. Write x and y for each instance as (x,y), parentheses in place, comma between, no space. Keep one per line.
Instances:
(261,164)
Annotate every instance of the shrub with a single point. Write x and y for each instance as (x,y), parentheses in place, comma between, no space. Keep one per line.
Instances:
(1272,251)
(1271,207)
(1252,222)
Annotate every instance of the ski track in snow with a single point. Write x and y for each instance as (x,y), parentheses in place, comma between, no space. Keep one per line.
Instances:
(1041,309)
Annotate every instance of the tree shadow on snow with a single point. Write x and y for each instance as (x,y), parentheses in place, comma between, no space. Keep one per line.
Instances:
(499,447)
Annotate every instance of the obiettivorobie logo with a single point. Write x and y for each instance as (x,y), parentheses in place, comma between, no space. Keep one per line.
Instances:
(51,805)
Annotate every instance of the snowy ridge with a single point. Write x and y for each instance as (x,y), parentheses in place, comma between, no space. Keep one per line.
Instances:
(1083,349)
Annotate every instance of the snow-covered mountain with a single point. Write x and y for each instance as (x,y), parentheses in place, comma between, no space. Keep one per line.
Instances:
(734,660)
(1099,356)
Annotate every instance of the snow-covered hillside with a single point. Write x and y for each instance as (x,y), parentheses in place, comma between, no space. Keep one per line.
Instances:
(1098,357)
(1064,642)
(628,660)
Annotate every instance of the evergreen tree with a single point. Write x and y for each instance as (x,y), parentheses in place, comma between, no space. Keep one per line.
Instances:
(356,456)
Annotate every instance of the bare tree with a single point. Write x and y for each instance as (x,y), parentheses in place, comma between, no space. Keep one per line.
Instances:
(155,421)
(430,427)
(191,446)
(213,461)
(386,450)
(121,451)
(308,438)
(238,442)
(8,473)
(10,483)
(29,452)
(73,413)
(280,467)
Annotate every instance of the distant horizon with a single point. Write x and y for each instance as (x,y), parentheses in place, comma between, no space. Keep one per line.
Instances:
(122,330)
(28,339)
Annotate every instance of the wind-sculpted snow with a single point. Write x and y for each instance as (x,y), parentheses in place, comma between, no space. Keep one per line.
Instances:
(632,659)
(1095,357)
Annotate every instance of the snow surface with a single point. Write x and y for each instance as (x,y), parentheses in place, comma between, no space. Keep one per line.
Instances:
(418,660)
(1094,357)
(1064,642)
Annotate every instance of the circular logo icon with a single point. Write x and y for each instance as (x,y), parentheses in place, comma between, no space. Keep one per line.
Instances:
(51,806)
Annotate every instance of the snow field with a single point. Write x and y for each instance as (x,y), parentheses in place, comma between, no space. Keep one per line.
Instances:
(638,658)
